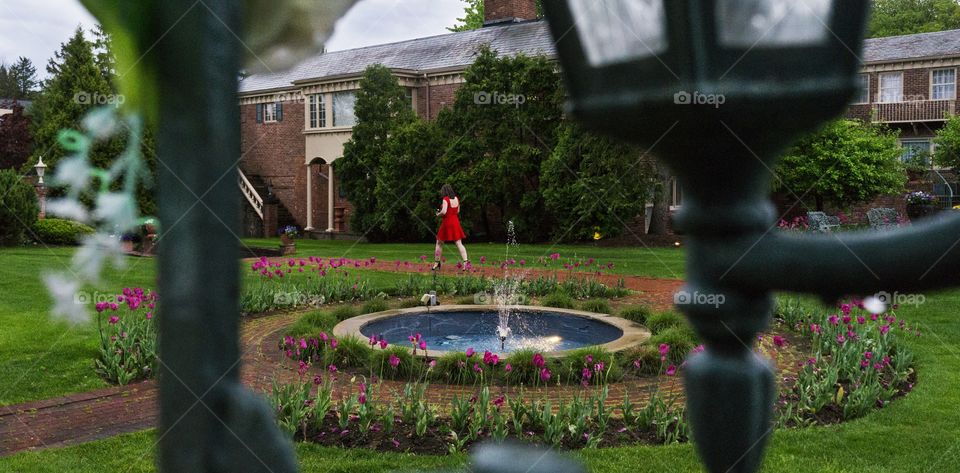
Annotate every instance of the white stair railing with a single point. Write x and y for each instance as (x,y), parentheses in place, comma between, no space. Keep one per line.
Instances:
(250,193)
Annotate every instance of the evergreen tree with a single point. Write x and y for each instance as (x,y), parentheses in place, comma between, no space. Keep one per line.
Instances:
(23,77)
(15,140)
(382,106)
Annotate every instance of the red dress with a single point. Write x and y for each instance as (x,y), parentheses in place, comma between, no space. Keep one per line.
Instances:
(450,229)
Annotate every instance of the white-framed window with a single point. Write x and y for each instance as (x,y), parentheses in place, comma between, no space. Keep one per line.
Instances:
(676,194)
(943,84)
(269,112)
(891,87)
(916,151)
(317,111)
(343,109)
(863,96)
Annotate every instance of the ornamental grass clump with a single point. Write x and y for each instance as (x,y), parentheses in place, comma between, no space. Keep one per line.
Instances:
(637,313)
(128,339)
(661,321)
(599,306)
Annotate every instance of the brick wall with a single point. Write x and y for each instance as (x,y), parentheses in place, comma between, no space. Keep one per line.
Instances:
(503,9)
(440,96)
(275,152)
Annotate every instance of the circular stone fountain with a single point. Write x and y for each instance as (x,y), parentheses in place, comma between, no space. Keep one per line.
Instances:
(455,328)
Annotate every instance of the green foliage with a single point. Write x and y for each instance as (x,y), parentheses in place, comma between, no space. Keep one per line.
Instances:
(644,360)
(600,306)
(312,323)
(76,80)
(18,80)
(590,358)
(408,303)
(55,231)
(845,162)
(473,16)
(900,17)
(681,339)
(374,305)
(664,320)
(558,300)
(344,312)
(457,368)
(523,371)
(18,208)
(584,188)
(380,363)
(947,151)
(351,352)
(382,107)
(637,313)
(128,340)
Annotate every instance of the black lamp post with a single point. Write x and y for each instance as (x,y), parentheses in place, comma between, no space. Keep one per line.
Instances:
(717,88)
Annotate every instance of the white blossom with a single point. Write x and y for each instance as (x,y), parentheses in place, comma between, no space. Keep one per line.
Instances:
(874,305)
(116,209)
(94,251)
(68,208)
(101,123)
(73,173)
(66,303)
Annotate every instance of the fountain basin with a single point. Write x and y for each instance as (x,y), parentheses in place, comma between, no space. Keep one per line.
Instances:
(454,328)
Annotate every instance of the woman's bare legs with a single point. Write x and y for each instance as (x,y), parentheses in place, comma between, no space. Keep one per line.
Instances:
(463,250)
(437,254)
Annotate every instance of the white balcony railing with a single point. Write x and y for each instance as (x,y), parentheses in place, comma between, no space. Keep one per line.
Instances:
(915,111)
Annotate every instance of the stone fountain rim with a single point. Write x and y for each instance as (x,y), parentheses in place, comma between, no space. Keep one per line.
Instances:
(633,334)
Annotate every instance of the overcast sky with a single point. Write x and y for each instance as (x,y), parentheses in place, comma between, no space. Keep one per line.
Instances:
(36,28)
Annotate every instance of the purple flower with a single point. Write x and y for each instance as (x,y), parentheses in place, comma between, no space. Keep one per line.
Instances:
(545,375)
(664,349)
(834,320)
(508,368)
(671,370)
(114,319)
(538,360)
(779,341)
(394,360)
(423,345)
(470,352)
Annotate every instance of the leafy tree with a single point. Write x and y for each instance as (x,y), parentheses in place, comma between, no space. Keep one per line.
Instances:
(19,80)
(900,17)
(382,106)
(593,184)
(15,140)
(502,126)
(947,152)
(845,162)
(76,84)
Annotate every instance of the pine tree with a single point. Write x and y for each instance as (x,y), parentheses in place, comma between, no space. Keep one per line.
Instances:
(23,78)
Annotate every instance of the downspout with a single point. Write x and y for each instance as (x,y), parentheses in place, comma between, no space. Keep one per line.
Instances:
(427,81)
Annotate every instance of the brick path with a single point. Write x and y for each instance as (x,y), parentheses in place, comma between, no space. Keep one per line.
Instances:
(111,411)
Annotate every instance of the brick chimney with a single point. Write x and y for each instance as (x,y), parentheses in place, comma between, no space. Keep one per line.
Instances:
(503,11)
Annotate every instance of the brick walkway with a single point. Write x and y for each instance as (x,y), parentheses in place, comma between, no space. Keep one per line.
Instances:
(111,411)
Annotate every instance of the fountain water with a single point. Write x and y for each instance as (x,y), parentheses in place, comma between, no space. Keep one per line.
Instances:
(506,292)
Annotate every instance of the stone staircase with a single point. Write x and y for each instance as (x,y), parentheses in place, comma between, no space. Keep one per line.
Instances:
(255,194)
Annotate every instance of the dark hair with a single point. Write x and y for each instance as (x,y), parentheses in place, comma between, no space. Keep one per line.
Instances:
(447,191)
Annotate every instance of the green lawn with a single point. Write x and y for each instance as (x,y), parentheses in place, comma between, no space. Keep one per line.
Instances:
(919,433)
(42,358)
(638,261)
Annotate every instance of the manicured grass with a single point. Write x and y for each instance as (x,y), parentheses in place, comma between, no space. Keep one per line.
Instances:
(41,357)
(917,433)
(638,261)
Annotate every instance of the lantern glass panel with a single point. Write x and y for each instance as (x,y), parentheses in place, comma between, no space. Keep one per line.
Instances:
(758,23)
(615,31)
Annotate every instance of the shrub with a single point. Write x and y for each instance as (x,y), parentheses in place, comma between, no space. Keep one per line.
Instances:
(408,303)
(344,312)
(312,323)
(351,352)
(559,300)
(375,305)
(573,364)
(681,339)
(522,369)
(664,320)
(645,360)
(599,306)
(637,313)
(408,366)
(457,368)
(55,231)
(18,208)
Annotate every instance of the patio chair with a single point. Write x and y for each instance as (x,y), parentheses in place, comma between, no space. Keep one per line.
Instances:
(821,222)
(883,218)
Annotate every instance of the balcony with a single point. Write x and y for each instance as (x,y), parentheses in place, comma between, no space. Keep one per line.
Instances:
(915,111)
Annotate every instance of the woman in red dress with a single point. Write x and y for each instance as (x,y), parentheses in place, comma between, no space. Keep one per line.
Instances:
(450,229)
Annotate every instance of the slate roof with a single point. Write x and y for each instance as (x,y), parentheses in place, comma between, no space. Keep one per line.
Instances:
(914,46)
(422,54)
(532,38)
(24,103)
